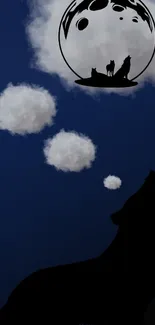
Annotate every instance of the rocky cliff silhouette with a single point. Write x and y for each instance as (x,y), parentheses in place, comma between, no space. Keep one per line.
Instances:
(116,286)
(103,81)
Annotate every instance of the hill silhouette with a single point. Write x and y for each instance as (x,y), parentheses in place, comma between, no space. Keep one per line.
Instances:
(103,81)
(116,286)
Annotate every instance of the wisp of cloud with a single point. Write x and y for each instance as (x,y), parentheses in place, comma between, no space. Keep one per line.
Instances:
(112,182)
(69,151)
(26,109)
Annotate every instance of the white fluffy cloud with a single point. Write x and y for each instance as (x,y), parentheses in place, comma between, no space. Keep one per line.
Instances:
(112,182)
(69,151)
(92,45)
(26,109)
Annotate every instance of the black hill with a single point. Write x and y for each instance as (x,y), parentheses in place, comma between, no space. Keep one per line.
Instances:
(104,81)
(116,286)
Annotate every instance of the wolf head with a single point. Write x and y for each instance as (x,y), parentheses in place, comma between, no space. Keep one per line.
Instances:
(142,202)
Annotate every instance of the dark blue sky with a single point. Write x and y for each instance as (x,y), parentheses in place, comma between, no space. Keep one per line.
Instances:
(49,217)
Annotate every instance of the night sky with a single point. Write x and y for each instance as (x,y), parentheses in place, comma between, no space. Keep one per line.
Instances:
(48,217)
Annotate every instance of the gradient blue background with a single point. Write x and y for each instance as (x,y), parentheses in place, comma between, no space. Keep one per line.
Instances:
(49,217)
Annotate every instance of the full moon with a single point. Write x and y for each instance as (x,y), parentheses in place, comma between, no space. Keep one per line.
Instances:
(93,32)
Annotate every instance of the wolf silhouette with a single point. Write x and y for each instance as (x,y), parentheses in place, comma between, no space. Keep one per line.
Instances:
(93,73)
(125,68)
(110,68)
(96,75)
(120,284)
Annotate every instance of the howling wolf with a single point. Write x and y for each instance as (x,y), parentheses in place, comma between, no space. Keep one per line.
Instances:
(100,290)
(125,68)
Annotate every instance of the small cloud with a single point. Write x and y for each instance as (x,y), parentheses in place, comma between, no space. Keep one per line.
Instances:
(26,109)
(69,151)
(112,182)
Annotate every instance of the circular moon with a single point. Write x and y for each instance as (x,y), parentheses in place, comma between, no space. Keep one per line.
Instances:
(78,18)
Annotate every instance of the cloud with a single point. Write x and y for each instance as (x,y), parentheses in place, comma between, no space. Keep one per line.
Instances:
(112,182)
(91,46)
(69,151)
(26,109)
